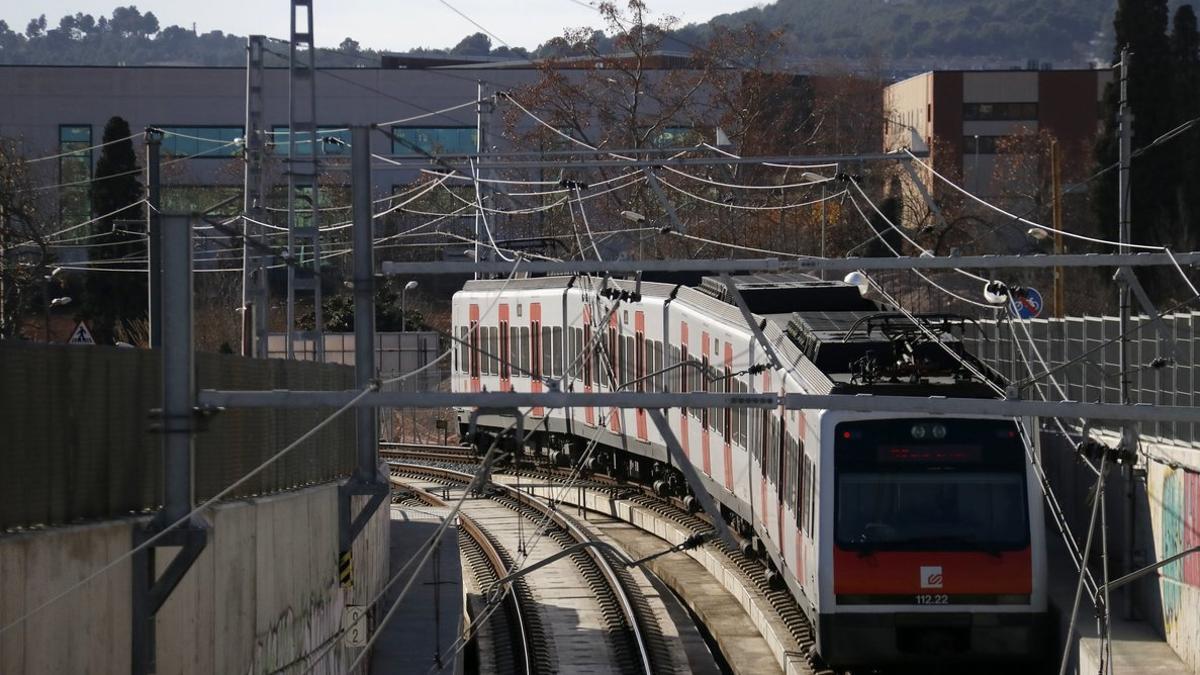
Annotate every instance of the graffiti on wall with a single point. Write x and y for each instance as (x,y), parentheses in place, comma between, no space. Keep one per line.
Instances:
(1180,531)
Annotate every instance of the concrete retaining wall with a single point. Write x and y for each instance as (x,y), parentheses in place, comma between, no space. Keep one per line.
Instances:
(263,594)
(1174,501)
(1166,521)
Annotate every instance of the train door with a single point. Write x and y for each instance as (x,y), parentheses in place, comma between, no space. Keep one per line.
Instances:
(535,353)
(684,387)
(728,430)
(764,449)
(705,454)
(589,413)
(639,373)
(614,370)
(505,352)
(473,339)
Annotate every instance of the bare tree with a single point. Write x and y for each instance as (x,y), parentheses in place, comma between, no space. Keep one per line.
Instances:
(25,252)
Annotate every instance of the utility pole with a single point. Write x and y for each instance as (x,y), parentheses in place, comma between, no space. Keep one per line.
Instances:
(365,480)
(255,293)
(1129,430)
(480,146)
(175,421)
(154,233)
(1060,303)
(303,172)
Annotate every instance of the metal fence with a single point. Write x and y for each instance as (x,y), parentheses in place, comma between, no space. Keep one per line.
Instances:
(1083,355)
(77,439)
(396,354)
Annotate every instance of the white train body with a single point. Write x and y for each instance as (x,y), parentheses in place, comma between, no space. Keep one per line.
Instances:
(774,471)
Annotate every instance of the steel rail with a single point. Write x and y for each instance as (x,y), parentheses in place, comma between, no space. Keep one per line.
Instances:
(495,560)
(476,533)
(578,534)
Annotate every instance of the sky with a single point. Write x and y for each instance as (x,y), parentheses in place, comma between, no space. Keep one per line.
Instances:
(376,24)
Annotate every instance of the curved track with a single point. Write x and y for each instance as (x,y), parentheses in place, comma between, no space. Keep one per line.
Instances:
(752,569)
(631,636)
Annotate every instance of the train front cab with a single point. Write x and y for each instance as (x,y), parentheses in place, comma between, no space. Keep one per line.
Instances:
(933,543)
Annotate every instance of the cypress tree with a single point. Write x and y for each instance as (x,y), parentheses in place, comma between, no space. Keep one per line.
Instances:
(1141,25)
(1185,52)
(111,299)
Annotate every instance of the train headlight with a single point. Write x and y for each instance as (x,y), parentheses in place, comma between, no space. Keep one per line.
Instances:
(939,431)
(918,431)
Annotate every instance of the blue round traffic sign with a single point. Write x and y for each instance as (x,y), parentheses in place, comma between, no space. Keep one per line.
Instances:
(1029,304)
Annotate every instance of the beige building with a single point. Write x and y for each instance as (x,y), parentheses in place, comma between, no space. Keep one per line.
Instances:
(967,120)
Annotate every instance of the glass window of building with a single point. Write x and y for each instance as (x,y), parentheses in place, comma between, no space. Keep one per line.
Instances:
(75,170)
(982,145)
(1008,111)
(434,140)
(677,137)
(201,141)
(279,141)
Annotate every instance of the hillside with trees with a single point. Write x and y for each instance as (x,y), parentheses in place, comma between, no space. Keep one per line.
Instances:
(1008,32)
(942,33)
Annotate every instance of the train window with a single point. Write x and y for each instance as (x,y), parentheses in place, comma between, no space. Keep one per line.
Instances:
(577,356)
(631,364)
(613,374)
(587,354)
(684,371)
(558,351)
(485,363)
(523,351)
(463,350)
(494,349)
(802,479)
(535,351)
(598,363)
(739,423)
(505,352)
(547,352)
(660,378)
(705,373)
(727,418)
(473,339)
(639,372)
(812,496)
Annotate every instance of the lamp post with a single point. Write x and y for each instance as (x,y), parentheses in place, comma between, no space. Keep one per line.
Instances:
(403,299)
(976,169)
(818,178)
(57,302)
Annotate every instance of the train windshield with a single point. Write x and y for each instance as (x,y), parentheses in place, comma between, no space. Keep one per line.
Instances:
(905,485)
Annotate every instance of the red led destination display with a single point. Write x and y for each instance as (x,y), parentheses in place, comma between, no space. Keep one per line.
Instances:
(930,454)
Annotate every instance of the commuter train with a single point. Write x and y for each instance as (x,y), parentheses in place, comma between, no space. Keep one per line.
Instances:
(905,538)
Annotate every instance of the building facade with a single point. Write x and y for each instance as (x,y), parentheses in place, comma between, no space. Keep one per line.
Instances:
(970,119)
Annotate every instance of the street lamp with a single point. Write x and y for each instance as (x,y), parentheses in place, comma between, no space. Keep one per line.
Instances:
(818,178)
(404,313)
(46,279)
(976,170)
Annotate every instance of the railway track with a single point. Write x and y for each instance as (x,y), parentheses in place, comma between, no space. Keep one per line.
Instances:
(752,569)
(514,632)
(675,510)
(626,635)
(427,453)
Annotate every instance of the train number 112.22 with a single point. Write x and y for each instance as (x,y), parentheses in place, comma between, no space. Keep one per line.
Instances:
(933,599)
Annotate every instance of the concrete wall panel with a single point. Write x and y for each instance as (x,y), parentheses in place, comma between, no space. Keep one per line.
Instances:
(1000,86)
(1175,517)
(263,594)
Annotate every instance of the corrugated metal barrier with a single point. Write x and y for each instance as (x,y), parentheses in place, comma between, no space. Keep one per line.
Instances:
(77,440)
(1083,353)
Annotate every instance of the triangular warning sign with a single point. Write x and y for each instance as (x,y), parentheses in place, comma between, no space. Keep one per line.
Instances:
(81,335)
